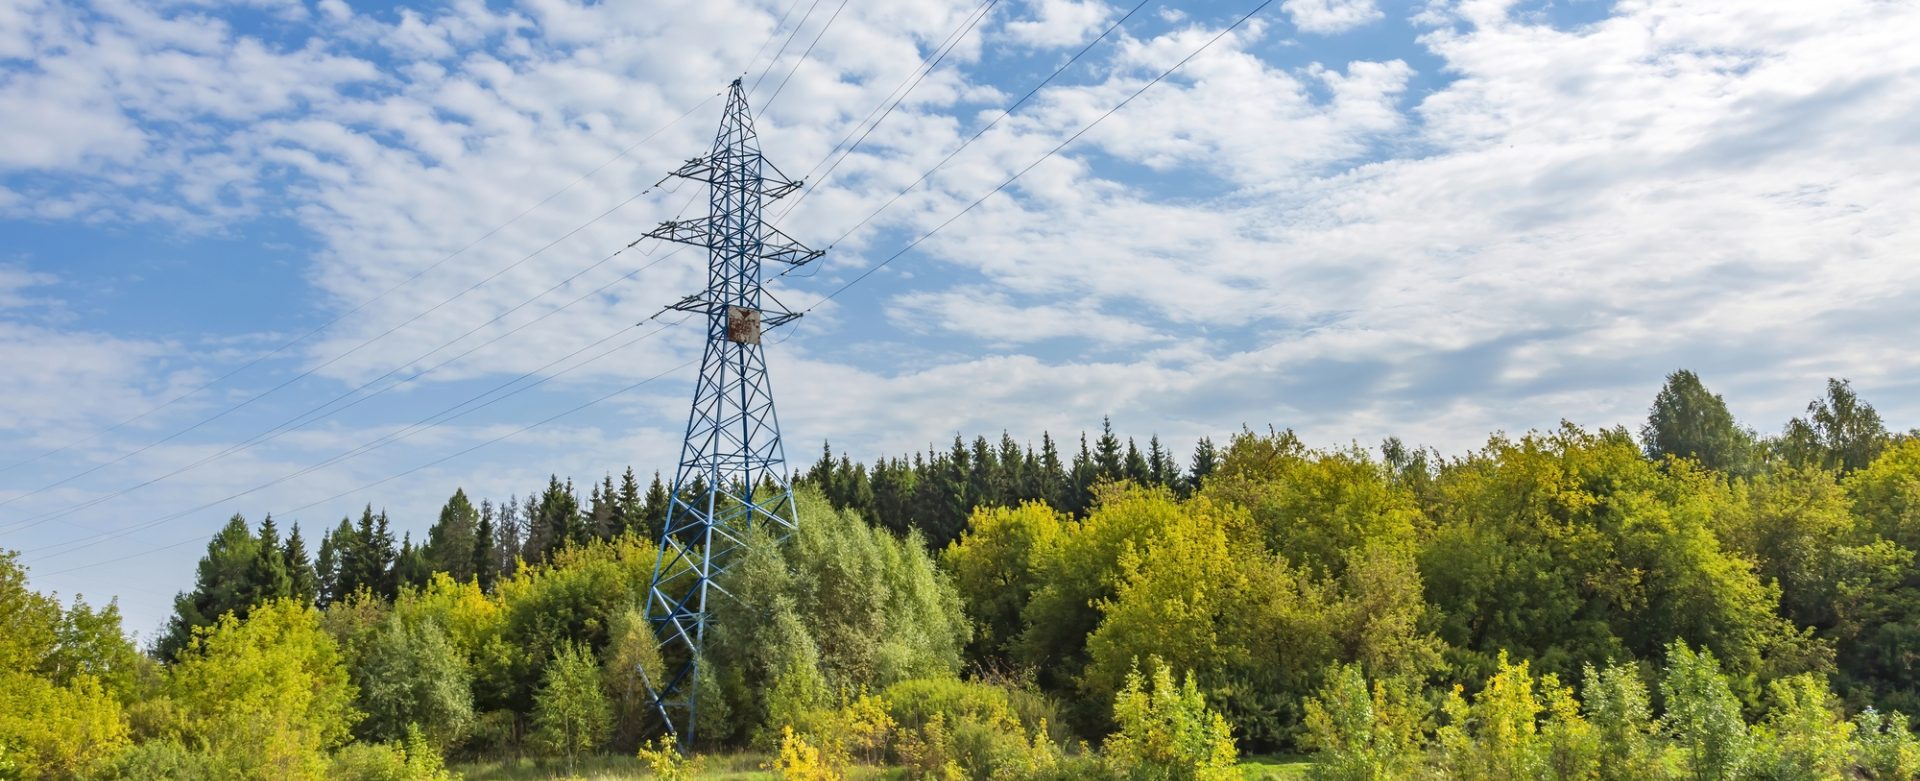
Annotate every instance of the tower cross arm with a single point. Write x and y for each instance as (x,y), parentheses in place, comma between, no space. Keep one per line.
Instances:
(773,184)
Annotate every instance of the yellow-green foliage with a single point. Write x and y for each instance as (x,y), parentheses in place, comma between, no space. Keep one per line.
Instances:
(63,674)
(1168,732)
(1803,737)
(1362,734)
(664,759)
(266,698)
(993,567)
(54,731)
(799,760)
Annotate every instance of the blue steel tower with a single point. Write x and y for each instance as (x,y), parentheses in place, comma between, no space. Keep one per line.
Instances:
(732,473)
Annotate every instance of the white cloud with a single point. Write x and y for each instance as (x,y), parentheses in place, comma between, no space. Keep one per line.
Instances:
(1327,17)
(14,279)
(1058,23)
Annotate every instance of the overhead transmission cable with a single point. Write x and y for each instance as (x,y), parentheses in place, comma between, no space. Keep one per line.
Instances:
(1241,20)
(298,423)
(797,27)
(892,101)
(356,308)
(803,56)
(349,312)
(1004,113)
(414,470)
(771,34)
(1030,166)
(295,422)
(429,423)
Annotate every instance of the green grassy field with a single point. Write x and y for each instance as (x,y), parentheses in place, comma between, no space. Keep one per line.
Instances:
(747,767)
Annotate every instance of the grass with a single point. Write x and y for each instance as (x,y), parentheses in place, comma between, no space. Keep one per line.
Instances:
(747,767)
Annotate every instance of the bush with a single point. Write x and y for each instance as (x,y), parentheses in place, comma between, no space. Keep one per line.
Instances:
(1168,733)
(1363,735)
(159,760)
(1884,747)
(413,760)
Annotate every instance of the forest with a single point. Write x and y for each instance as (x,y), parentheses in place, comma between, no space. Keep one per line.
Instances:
(1692,600)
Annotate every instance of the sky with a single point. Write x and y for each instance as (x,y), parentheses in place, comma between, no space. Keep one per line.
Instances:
(293,257)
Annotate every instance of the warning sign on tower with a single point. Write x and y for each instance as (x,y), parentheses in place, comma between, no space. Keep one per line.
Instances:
(743,325)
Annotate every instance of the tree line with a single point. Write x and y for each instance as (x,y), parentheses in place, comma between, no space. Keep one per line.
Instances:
(1697,601)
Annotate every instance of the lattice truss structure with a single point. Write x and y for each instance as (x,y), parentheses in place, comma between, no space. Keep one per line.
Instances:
(732,472)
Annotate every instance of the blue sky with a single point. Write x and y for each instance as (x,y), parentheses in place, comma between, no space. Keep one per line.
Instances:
(1356,218)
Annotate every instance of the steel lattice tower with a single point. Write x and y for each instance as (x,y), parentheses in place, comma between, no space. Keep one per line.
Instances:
(732,473)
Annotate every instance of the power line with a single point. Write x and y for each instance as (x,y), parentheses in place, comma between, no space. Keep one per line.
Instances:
(428,423)
(783,46)
(344,315)
(298,422)
(1004,113)
(1043,158)
(771,34)
(315,369)
(926,67)
(803,56)
(414,470)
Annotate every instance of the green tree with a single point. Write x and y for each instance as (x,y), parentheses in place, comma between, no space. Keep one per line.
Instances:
(1362,734)
(1167,732)
(265,698)
(1496,737)
(571,714)
(450,541)
(1689,421)
(1621,712)
(993,568)
(1703,716)
(1841,432)
(1802,738)
(223,583)
(304,580)
(1884,747)
(412,674)
(62,674)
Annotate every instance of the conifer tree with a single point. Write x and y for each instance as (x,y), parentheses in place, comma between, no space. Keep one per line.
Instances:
(329,568)
(631,508)
(1080,481)
(411,568)
(1137,469)
(509,535)
(268,577)
(486,566)
(1161,470)
(450,546)
(306,587)
(222,584)
(1206,458)
(654,509)
(1106,456)
(1052,475)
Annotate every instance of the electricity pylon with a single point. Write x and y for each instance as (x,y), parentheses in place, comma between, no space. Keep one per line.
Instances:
(732,474)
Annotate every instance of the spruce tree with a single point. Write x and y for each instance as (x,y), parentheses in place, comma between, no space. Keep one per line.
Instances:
(1137,468)
(485,567)
(306,585)
(222,584)
(268,577)
(1206,458)
(1106,457)
(450,544)
(1081,480)
(654,509)
(1161,470)
(330,568)
(1052,476)
(631,508)
(411,567)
